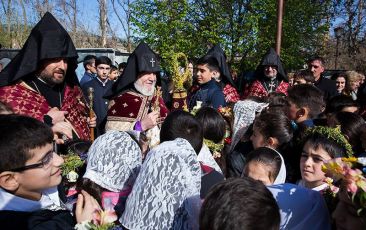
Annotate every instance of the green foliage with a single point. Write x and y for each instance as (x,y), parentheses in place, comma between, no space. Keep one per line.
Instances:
(333,134)
(163,25)
(212,146)
(72,163)
(245,29)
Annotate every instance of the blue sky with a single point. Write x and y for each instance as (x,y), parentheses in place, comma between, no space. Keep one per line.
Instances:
(88,15)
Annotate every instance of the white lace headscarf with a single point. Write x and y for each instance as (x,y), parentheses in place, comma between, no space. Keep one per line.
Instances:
(244,115)
(205,156)
(166,194)
(114,161)
(281,177)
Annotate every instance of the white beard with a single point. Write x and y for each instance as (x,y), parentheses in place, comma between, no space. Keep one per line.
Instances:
(143,90)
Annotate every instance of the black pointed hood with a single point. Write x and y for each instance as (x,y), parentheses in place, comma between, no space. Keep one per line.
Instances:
(271,58)
(220,56)
(48,39)
(143,59)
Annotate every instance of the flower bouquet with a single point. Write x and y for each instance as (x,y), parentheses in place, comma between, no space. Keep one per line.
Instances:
(102,220)
(348,171)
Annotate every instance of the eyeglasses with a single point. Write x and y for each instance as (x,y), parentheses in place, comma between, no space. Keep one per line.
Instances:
(270,66)
(45,163)
(315,66)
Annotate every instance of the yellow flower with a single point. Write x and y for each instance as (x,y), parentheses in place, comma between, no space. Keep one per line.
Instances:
(349,159)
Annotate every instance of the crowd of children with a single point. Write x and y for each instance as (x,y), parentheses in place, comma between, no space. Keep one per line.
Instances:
(180,184)
(267,154)
(282,156)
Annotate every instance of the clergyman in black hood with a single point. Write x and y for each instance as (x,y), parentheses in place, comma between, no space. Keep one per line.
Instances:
(40,81)
(269,77)
(135,104)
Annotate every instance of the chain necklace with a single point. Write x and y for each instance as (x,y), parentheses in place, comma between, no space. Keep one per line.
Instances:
(59,91)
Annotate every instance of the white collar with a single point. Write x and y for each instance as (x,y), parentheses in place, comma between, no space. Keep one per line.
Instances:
(317,188)
(49,200)
(103,83)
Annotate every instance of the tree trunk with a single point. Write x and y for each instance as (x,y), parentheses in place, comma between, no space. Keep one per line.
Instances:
(24,16)
(74,19)
(8,20)
(103,22)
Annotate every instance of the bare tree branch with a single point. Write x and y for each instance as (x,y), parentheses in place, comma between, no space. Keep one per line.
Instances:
(126,24)
(103,21)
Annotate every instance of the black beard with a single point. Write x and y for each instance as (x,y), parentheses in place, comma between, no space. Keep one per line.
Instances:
(49,80)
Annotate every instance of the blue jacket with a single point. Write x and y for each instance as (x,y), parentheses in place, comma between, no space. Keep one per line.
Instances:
(210,94)
(86,77)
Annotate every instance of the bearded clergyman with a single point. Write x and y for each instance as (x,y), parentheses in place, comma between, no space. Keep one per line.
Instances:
(135,103)
(40,81)
(269,76)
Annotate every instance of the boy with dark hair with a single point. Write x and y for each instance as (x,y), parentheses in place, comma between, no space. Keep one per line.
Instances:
(114,73)
(239,203)
(210,61)
(305,103)
(209,93)
(99,85)
(121,67)
(30,172)
(303,77)
(90,70)
(342,103)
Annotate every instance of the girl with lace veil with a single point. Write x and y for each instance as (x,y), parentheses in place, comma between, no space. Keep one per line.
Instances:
(113,163)
(166,194)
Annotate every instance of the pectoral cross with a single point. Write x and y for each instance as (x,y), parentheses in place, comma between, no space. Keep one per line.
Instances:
(272,86)
(152,62)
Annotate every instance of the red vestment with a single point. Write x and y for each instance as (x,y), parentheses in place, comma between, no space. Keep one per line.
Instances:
(231,94)
(26,101)
(257,89)
(129,107)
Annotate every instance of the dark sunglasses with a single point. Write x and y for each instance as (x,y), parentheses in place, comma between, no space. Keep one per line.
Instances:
(270,66)
(46,160)
(315,66)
